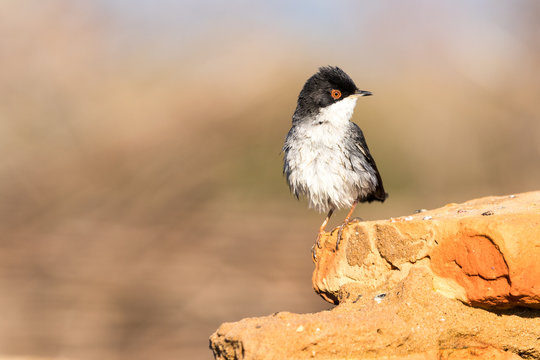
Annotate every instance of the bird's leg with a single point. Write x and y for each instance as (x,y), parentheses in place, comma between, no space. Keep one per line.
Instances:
(321,232)
(323,226)
(345,222)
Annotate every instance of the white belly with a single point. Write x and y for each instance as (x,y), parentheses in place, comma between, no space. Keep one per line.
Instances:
(319,165)
(321,169)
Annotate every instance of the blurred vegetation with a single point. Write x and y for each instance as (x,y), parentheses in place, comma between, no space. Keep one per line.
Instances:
(142,201)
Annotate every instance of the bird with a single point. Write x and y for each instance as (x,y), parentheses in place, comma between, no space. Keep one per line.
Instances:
(325,155)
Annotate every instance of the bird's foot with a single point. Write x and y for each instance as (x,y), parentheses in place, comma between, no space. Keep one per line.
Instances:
(340,234)
(318,242)
(317,245)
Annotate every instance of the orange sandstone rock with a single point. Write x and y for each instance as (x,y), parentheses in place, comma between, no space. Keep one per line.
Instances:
(398,282)
(409,321)
(485,252)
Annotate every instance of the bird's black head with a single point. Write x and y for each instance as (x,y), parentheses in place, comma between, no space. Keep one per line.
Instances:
(326,87)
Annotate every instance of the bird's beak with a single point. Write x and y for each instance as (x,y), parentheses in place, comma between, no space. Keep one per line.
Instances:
(362,93)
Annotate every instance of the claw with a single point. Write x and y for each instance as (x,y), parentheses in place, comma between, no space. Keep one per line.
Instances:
(323,226)
(339,234)
(318,242)
(314,253)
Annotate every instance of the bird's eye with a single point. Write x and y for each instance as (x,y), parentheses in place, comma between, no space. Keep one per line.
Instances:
(336,94)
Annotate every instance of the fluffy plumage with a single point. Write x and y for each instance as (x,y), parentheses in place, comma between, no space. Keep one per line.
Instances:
(326,157)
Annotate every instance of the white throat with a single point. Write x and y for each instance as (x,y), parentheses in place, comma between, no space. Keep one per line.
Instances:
(339,113)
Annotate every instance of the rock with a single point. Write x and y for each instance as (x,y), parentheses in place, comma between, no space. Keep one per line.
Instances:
(457,285)
(483,252)
(410,322)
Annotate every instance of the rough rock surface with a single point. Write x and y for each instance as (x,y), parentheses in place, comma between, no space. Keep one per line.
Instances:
(459,282)
(484,252)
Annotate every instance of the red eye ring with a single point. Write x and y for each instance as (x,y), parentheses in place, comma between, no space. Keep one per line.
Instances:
(336,94)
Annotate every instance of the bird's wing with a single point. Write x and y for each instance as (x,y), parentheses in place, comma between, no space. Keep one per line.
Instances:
(286,162)
(360,145)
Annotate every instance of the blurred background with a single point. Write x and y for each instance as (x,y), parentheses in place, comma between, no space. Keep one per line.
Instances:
(141,197)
